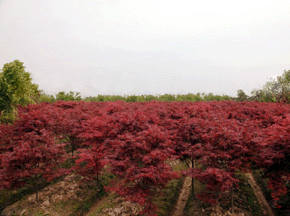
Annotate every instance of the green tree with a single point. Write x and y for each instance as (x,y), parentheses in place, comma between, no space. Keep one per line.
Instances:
(16,87)
(275,90)
(282,89)
(132,98)
(242,96)
(45,97)
(5,98)
(71,96)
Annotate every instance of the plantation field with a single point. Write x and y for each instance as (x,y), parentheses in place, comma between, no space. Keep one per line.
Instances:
(116,154)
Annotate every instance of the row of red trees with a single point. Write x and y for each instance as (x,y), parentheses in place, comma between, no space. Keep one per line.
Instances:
(136,140)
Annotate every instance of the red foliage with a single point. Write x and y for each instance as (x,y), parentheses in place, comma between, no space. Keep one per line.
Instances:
(138,154)
(137,139)
(34,154)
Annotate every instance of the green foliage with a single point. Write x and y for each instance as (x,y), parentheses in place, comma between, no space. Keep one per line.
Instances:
(166,202)
(284,80)
(132,98)
(189,97)
(8,197)
(282,89)
(71,96)
(261,96)
(149,97)
(103,98)
(96,193)
(45,97)
(16,89)
(262,182)
(242,96)
(8,117)
(5,98)
(99,98)
(166,97)
(245,191)
(275,90)
(17,84)
(212,97)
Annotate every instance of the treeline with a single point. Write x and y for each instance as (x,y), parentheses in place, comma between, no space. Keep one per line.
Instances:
(259,96)
(16,88)
(76,96)
(276,90)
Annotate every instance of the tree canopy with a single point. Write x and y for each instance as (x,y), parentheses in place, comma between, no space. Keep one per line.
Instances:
(16,87)
(274,90)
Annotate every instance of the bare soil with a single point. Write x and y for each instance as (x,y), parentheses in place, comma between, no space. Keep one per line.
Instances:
(183,197)
(217,210)
(63,197)
(260,196)
(114,206)
(59,199)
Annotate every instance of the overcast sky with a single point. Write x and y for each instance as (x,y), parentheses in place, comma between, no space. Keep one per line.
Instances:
(147,46)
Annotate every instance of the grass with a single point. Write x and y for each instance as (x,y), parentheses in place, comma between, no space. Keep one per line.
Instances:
(165,202)
(97,192)
(89,194)
(40,213)
(193,205)
(85,205)
(244,199)
(8,197)
(245,191)
(101,207)
(285,203)
(169,197)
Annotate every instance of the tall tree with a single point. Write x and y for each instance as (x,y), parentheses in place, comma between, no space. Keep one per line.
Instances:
(242,96)
(16,87)
(274,90)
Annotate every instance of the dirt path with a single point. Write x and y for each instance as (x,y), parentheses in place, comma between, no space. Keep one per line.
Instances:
(183,197)
(99,203)
(260,196)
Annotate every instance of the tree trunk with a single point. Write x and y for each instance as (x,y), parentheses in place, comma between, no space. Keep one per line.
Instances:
(72,146)
(36,191)
(72,150)
(232,199)
(192,180)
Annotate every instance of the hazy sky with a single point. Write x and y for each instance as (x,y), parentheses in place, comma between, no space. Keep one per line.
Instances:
(147,46)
